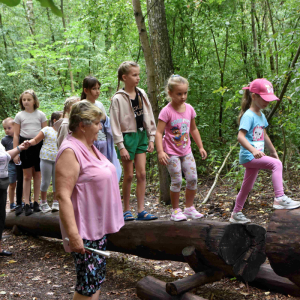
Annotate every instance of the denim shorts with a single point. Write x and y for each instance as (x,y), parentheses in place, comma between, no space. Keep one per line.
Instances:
(12,172)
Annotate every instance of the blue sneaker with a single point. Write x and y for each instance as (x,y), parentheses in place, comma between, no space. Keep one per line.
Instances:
(12,207)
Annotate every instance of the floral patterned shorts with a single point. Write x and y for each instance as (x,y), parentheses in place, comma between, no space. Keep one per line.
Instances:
(90,268)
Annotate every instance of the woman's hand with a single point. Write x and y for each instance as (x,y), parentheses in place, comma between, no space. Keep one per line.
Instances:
(150,147)
(163,158)
(124,154)
(203,153)
(258,154)
(76,244)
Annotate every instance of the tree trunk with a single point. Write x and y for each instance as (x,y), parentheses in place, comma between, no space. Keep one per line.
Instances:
(69,61)
(153,84)
(254,36)
(3,35)
(283,241)
(150,288)
(235,249)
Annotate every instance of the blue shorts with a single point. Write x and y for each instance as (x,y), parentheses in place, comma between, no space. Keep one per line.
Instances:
(12,172)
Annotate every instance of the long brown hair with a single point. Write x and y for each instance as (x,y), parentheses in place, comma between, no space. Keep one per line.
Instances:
(88,83)
(246,103)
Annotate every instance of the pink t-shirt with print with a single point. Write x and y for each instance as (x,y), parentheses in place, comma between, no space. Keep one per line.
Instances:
(176,140)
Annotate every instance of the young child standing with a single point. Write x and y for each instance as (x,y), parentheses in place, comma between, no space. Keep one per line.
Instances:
(177,120)
(48,154)
(62,125)
(7,142)
(131,121)
(253,138)
(28,123)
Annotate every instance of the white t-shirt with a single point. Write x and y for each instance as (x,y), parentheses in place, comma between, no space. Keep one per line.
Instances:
(4,160)
(30,123)
(49,149)
(101,134)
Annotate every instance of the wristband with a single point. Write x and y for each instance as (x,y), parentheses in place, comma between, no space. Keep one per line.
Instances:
(19,149)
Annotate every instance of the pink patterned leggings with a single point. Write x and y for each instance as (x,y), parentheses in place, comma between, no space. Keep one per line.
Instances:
(187,164)
(252,169)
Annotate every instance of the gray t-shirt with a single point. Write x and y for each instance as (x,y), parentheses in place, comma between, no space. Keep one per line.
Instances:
(30,123)
(4,160)
(101,134)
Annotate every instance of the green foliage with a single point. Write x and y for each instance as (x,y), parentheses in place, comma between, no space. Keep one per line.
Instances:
(100,34)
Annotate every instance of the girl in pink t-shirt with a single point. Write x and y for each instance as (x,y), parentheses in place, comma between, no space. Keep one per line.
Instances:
(177,120)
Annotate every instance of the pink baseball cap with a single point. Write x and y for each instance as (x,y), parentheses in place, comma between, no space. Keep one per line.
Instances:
(263,88)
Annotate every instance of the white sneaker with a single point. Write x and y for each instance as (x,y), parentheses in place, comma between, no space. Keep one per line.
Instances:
(45,207)
(284,202)
(191,212)
(55,206)
(239,218)
(177,215)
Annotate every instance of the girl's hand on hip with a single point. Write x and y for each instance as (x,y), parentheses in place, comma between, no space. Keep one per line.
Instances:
(76,244)
(163,158)
(275,155)
(203,153)
(124,154)
(150,147)
(258,154)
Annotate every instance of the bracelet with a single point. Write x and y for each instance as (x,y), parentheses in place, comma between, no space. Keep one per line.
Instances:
(19,149)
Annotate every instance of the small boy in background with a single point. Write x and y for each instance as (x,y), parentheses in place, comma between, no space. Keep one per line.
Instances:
(7,142)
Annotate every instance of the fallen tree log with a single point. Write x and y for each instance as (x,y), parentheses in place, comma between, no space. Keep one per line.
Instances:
(283,244)
(235,249)
(267,279)
(150,288)
(181,286)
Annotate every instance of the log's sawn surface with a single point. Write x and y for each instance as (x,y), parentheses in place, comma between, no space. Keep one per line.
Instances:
(235,249)
(283,244)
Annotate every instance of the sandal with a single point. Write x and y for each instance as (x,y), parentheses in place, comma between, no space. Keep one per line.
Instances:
(144,216)
(128,216)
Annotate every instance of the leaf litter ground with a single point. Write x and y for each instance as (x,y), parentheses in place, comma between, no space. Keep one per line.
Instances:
(40,269)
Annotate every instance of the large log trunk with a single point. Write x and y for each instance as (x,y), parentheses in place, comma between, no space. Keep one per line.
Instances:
(283,240)
(150,288)
(235,249)
(267,279)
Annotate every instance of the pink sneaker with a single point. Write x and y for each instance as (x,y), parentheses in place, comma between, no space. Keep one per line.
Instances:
(177,215)
(191,212)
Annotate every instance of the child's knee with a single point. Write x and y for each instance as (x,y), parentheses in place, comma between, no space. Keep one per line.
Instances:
(128,177)
(141,176)
(192,184)
(277,165)
(175,184)
(12,186)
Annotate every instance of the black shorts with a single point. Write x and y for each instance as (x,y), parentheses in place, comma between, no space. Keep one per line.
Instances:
(31,157)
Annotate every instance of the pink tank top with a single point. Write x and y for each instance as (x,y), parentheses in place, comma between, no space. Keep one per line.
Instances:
(96,196)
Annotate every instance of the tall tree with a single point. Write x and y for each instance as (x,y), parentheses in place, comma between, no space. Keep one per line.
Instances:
(152,87)
(161,52)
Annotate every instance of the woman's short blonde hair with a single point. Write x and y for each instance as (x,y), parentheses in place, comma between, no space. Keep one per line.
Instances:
(84,112)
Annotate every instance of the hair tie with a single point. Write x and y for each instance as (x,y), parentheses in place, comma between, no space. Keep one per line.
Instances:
(175,75)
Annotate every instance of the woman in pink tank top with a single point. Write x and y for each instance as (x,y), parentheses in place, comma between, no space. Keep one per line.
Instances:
(89,198)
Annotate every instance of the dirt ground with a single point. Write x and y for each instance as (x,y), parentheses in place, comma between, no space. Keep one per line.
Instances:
(41,270)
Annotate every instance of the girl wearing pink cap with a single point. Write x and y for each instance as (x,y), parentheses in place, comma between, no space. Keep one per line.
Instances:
(253,139)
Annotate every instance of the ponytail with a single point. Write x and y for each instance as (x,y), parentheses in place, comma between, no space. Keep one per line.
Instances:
(246,103)
(68,103)
(83,95)
(55,116)
(124,69)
